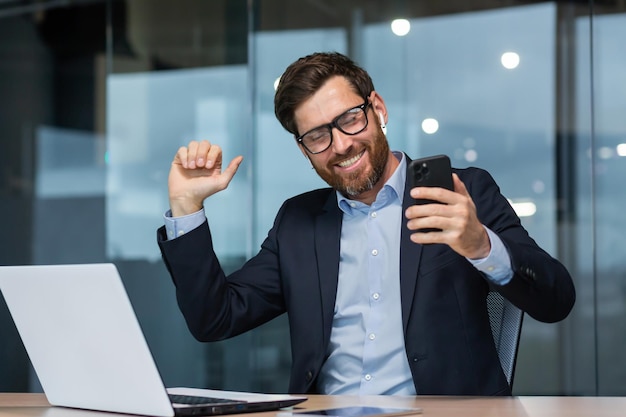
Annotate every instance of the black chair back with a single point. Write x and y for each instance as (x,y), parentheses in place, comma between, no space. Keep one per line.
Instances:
(506,326)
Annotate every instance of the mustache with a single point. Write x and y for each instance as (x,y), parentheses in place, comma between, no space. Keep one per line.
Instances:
(351,153)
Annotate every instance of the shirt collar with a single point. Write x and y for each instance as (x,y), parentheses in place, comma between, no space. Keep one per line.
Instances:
(391,191)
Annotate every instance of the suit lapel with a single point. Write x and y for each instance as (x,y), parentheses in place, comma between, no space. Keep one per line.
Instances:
(410,256)
(327,246)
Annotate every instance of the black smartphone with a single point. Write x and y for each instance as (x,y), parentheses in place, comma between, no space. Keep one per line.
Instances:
(431,171)
(355,411)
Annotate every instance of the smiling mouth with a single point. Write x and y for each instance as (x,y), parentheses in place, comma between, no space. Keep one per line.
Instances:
(349,162)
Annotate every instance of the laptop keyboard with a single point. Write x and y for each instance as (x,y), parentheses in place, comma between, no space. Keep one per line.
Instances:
(197,400)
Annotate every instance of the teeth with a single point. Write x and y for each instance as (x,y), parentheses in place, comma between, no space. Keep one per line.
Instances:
(350,161)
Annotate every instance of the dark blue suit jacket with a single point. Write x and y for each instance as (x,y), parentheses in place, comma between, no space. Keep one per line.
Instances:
(448,339)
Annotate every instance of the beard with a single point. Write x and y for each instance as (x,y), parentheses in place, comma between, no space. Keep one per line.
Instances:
(362,180)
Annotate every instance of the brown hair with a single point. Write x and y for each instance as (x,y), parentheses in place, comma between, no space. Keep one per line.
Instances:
(305,76)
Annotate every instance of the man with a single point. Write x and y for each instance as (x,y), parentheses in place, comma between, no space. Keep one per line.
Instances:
(375,306)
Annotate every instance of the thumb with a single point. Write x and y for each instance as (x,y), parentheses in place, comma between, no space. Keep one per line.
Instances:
(232,168)
(459,186)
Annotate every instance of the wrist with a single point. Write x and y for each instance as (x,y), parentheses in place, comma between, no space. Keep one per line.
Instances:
(181,208)
(484,249)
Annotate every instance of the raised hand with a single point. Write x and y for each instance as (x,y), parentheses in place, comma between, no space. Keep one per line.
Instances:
(196,173)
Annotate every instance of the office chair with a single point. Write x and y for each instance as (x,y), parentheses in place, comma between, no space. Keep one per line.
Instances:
(506,326)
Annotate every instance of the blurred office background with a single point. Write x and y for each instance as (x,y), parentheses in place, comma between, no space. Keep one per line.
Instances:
(96,97)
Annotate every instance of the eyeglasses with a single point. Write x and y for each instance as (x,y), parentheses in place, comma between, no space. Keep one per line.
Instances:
(350,122)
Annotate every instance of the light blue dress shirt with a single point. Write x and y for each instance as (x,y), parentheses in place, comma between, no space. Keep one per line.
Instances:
(178,226)
(366,354)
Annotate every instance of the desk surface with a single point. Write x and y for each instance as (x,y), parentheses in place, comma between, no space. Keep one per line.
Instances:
(35,405)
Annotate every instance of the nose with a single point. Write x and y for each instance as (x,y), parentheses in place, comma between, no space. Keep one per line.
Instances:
(342,143)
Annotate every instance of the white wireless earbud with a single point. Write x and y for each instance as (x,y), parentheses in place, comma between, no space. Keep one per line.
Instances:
(383,126)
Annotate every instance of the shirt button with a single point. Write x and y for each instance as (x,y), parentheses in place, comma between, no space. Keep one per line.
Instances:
(352,204)
(368,377)
(374,214)
(181,232)
(372,336)
(375,296)
(490,268)
(375,252)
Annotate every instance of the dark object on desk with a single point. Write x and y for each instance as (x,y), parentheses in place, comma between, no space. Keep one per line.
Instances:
(85,343)
(355,411)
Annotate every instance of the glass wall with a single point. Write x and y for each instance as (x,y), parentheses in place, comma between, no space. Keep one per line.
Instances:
(97,96)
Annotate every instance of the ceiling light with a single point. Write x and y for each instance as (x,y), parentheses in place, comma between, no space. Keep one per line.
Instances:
(400,27)
(509,60)
(430,125)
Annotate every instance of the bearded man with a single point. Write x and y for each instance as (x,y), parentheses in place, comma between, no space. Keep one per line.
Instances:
(375,304)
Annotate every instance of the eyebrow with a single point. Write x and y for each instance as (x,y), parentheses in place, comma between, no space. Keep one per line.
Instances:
(332,120)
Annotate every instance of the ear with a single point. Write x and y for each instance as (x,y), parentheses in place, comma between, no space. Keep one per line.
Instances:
(378,104)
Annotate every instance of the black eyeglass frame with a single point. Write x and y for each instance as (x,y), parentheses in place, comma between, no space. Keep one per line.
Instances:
(333,124)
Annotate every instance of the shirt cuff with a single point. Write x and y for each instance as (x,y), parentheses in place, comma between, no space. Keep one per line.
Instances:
(178,226)
(497,265)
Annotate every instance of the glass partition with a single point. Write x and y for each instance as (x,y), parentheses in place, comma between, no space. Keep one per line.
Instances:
(607,156)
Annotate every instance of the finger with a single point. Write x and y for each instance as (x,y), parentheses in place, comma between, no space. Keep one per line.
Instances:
(427,210)
(459,186)
(192,153)
(214,157)
(232,168)
(181,157)
(417,210)
(428,222)
(438,194)
(428,237)
(201,156)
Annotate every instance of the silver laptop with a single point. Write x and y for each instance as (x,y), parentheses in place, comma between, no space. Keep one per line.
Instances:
(88,350)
